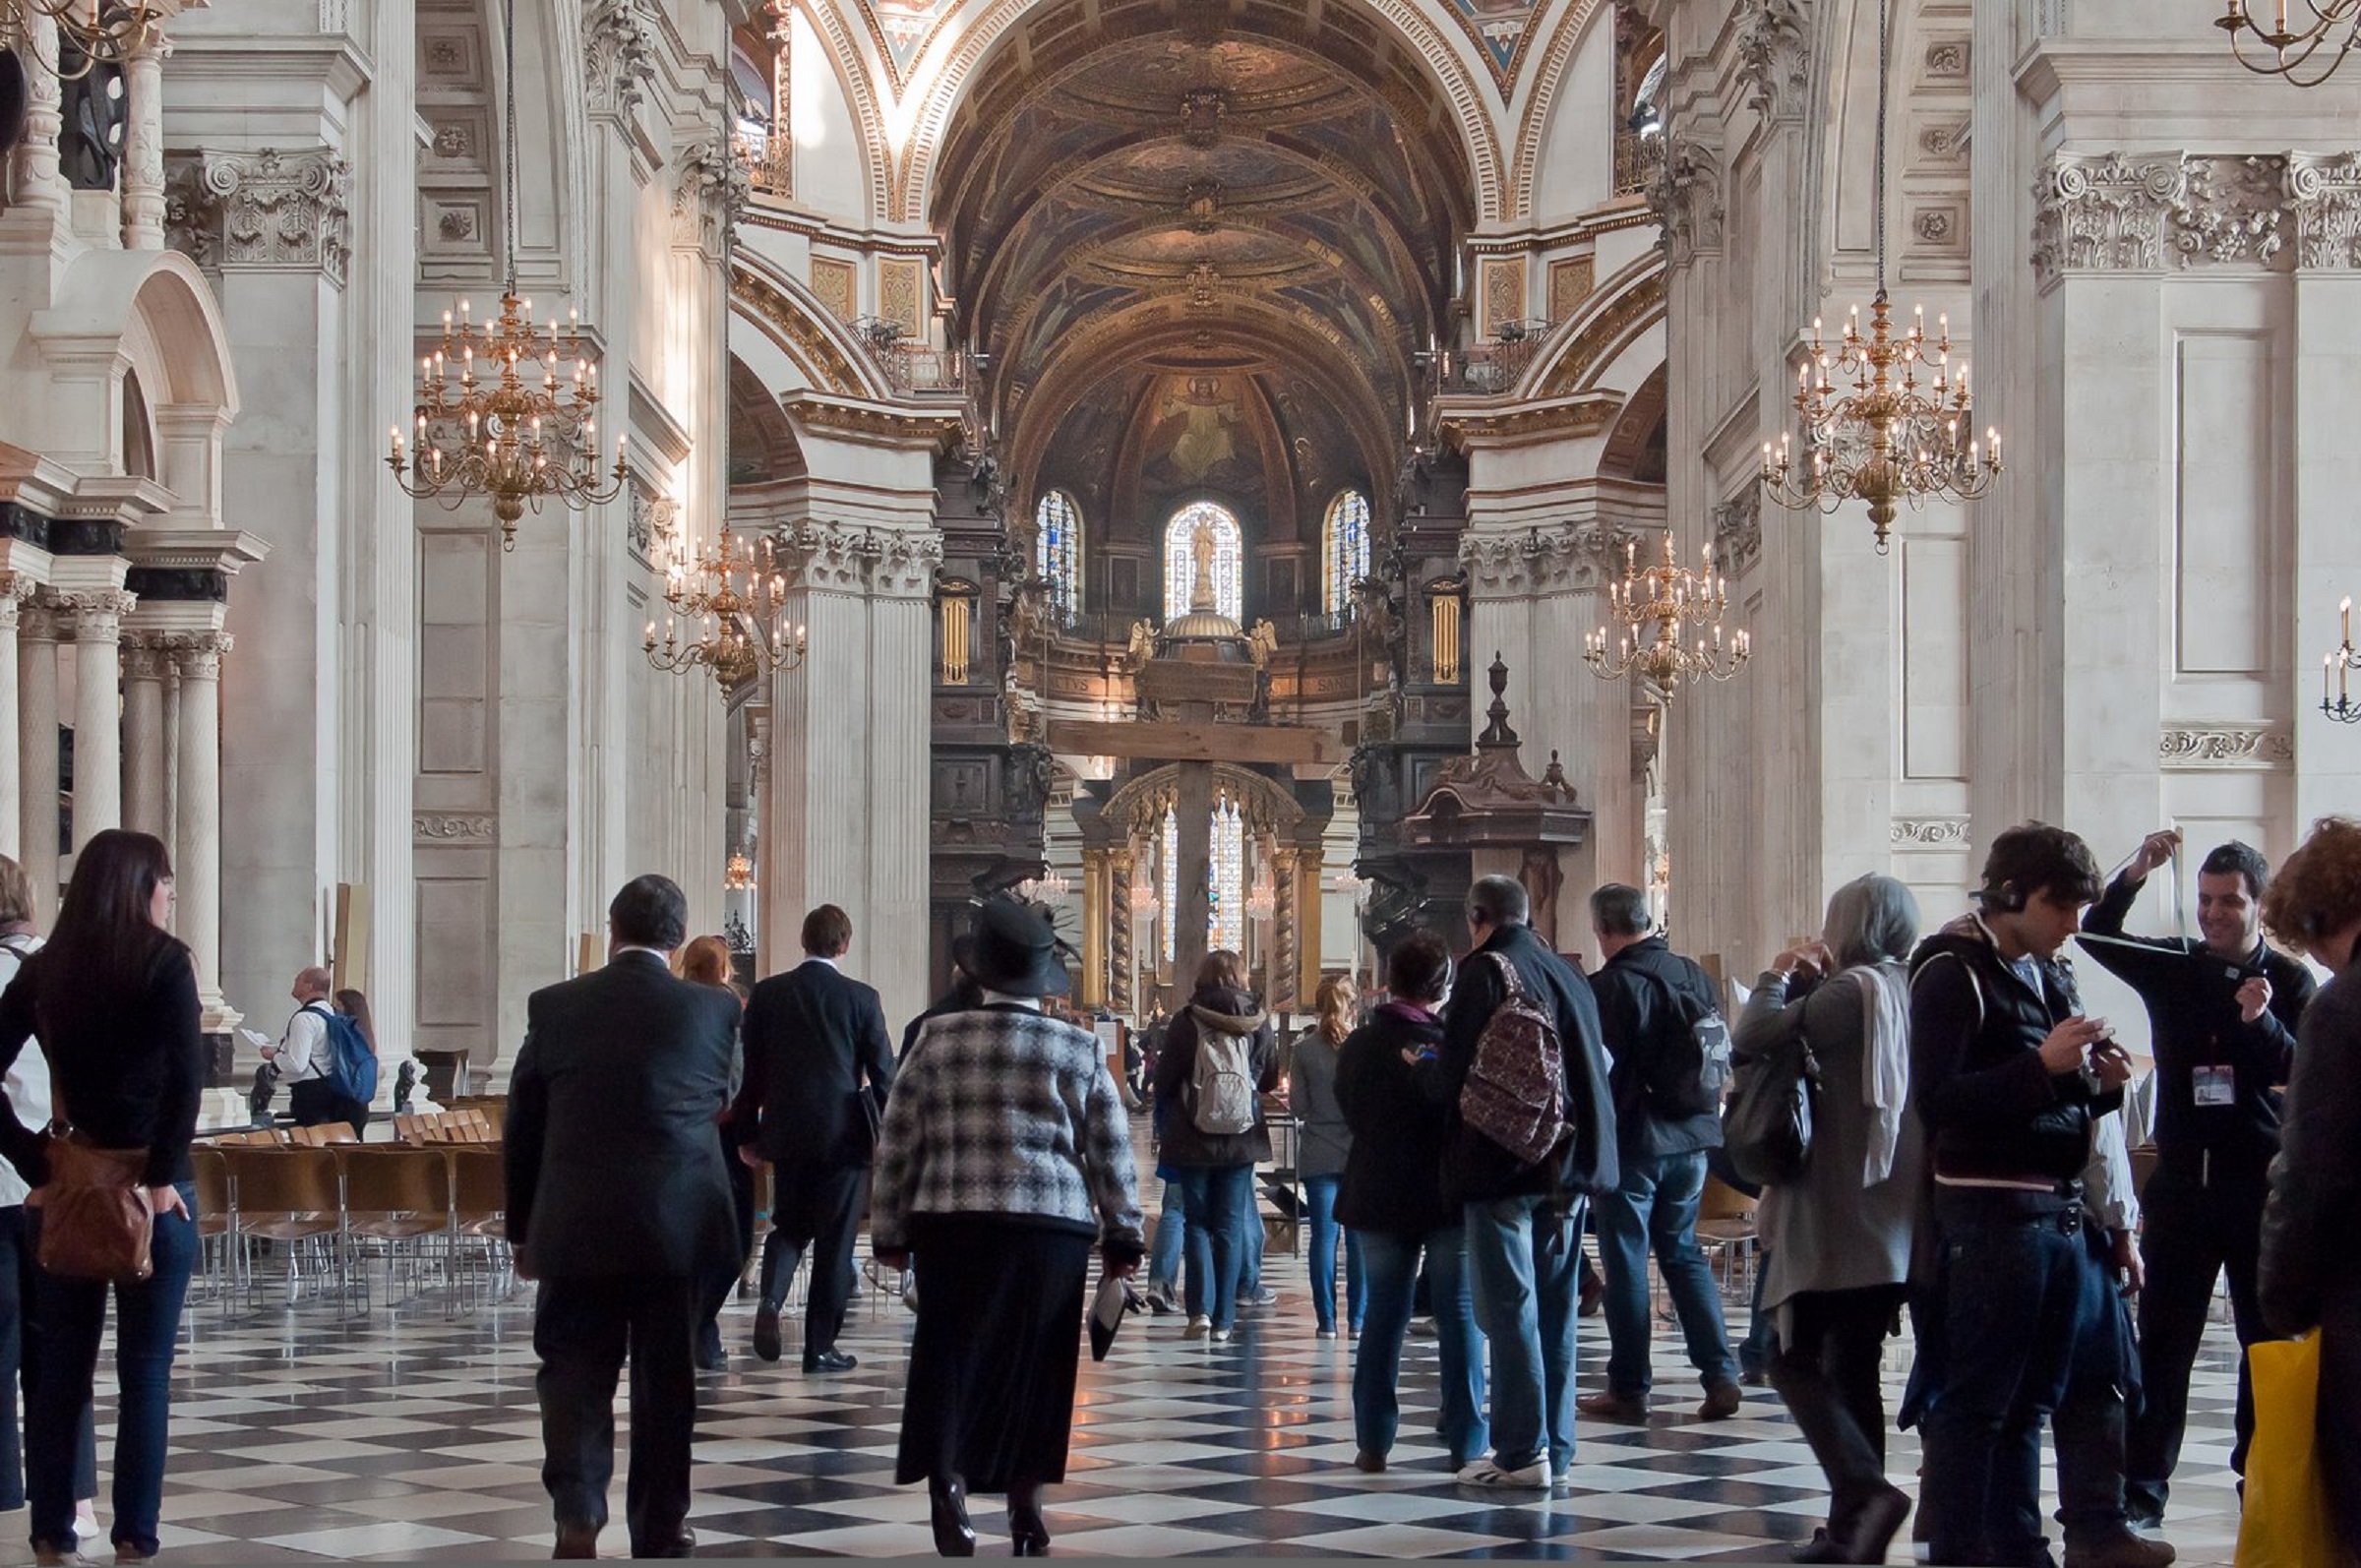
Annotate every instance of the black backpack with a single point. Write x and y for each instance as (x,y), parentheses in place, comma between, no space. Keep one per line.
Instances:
(1689,1068)
(1767,1132)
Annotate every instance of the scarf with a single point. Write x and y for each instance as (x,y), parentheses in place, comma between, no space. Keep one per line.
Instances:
(1884,1061)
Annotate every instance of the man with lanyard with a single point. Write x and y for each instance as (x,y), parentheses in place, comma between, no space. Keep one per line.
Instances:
(2009,1078)
(2222,1011)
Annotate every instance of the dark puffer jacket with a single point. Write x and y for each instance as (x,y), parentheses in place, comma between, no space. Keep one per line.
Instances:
(1232,1012)
(1393,1177)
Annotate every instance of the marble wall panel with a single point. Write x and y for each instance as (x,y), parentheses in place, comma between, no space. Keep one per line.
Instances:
(2223,539)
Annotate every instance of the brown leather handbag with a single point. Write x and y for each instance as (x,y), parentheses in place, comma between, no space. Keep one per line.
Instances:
(95,1223)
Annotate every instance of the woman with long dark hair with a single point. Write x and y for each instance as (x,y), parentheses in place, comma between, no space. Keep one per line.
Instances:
(113,999)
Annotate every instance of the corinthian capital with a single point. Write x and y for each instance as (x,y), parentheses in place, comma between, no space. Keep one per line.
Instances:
(1686,198)
(97,613)
(268,210)
(1773,56)
(199,654)
(619,48)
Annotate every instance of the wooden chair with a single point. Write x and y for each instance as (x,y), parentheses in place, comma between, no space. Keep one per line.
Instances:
(1725,1223)
(292,1198)
(216,1217)
(479,1186)
(394,1196)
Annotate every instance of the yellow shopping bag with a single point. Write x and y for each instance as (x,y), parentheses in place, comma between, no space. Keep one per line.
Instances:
(2287,1519)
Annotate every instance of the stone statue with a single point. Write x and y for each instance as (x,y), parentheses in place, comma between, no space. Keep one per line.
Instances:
(1201,553)
(1263,642)
(1142,648)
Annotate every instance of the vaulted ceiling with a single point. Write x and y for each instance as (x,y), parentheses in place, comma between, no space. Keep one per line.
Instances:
(1267,188)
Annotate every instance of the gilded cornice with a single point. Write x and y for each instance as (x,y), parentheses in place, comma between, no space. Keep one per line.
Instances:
(867,421)
(804,337)
(1585,415)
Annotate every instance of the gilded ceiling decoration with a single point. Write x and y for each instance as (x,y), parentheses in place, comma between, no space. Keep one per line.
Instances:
(1501,28)
(902,30)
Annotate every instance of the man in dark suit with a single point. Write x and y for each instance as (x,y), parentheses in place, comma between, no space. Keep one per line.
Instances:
(813,1036)
(618,1202)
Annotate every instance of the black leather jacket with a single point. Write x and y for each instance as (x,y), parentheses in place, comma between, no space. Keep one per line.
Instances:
(2309,1267)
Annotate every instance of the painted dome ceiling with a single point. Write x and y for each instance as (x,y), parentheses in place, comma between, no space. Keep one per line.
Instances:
(1260,189)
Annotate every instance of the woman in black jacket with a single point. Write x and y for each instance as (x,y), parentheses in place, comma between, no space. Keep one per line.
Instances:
(1393,1200)
(1215,1165)
(113,999)
(2309,1278)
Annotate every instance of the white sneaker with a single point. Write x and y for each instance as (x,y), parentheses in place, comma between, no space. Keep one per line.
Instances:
(1483,1473)
(1198,1327)
(1220,1336)
(1326,1334)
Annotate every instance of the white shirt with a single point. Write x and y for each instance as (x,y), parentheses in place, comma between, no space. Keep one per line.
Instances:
(822,958)
(303,1050)
(28,1080)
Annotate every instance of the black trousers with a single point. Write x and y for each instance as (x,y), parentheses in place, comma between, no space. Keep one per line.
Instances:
(1827,1373)
(583,1330)
(724,1282)
(2197,1224)
(19,1353)
(316,1103)
(814,1208)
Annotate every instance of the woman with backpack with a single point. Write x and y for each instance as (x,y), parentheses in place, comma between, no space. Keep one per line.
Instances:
(1837,1243)
(1218,1061)
(1327,1143)
(114,999)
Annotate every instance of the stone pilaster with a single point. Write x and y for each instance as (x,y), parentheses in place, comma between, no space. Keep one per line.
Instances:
(37,752)
(14,591)
(97,708)
(198,863)
(145,760)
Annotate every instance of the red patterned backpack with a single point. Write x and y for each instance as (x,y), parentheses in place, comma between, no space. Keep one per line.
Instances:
(1516,1090)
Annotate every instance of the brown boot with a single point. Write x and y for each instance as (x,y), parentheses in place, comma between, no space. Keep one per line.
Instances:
(1610,1406)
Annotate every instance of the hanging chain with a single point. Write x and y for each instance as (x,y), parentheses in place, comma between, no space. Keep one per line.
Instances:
(508,26)
(1884,76)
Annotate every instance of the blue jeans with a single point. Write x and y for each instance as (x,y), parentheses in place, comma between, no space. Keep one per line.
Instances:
(1319,1193)
(2028,1325)
(1214,1196)
(73,1317)
(1172,1230)
(1250,1239)
(1657,1205)
(1391,1265)
(1522,1255)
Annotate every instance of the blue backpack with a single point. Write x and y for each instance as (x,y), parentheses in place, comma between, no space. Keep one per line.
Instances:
(352,1065)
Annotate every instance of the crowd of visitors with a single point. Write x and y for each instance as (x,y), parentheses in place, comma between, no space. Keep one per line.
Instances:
(1936,1121)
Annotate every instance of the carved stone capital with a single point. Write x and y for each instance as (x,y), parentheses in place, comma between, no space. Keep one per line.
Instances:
(146,657)
(199,654)
(16,590)
(710,194)
(2241,746)
(618,56)
(1775,56)
(1686,198)
(1738,531)
(97,613)
(873,563)
(268,210)
(1543,561)
(1930,833)
(2170,211)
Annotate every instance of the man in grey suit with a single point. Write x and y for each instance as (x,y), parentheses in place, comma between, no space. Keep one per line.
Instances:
(619,1203)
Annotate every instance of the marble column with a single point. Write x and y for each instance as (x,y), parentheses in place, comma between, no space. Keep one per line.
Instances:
(40,182)
(37,752)
(143,147)
(1192,810)
(198,859)
(1096,901)
(97,709)
(14,591)
(1287,965)
(1118,930)
(146,761)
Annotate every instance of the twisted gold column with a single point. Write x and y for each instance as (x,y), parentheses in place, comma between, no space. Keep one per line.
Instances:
(1119,930)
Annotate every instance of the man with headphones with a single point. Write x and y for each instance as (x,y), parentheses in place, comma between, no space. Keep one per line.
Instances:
(2022,1320)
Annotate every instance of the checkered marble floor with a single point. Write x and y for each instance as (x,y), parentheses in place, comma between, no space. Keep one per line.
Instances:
(397,1437)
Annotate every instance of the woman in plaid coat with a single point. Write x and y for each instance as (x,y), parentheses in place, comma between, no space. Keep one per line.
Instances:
(1006,1154)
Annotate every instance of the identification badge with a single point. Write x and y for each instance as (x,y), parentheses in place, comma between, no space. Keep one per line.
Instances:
(2216,1086)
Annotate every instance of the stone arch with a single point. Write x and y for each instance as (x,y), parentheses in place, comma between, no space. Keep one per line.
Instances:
(1266,807)
(1557,57)
(1448,71)
(850,57)
(1929,213)
(787,331)
(1619,313)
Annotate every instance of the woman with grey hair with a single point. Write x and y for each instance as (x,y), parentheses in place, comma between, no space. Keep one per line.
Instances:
(1838,1242)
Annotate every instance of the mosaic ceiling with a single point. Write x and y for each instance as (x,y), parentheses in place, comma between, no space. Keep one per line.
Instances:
(1217,190)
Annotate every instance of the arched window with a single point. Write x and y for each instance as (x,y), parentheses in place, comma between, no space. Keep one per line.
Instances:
(1344,550)
(1227,924)
(1058,553)
(1222,551)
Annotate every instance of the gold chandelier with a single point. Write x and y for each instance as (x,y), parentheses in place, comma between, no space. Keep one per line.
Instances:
(733,595)
(101,32)
(1671,597)
(2292,48)
(1889,437)
(738,876)
(494,415)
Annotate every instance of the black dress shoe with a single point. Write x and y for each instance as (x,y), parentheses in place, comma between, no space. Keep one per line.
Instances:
(682,1545)
(947,1510)
(1029,1532)
(829,1362)
(767,1331)
(576,1541)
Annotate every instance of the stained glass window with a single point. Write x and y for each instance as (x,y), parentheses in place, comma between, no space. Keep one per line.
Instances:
(1170,855)
(1225,559)
(1227,926)
(1058,553)
(1345,550)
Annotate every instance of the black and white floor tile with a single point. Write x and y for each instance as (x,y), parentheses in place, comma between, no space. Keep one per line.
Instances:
(298,1435)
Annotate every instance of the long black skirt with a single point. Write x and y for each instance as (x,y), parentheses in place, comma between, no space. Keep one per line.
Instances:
(991,1395)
